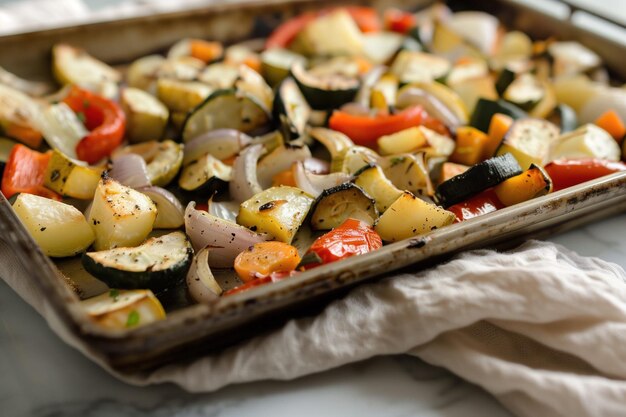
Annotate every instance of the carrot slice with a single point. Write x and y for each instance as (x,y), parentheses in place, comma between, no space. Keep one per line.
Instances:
(612,123)
(265,258)
(470,145)
(206,51)
(499,125)
(285,177)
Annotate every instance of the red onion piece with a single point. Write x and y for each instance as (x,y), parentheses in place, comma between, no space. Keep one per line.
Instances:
(170,211)
(226,239)
(221,143)
(130,170)
(316,166)
(433,106)
(314,184)
(244,183)
(200,280)
(226,210)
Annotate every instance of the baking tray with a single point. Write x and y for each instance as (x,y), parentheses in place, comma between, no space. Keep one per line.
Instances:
(199,329)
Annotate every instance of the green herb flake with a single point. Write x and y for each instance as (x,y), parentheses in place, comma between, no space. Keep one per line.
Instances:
(396,161)
(133,319)
(114,294)
(81,117)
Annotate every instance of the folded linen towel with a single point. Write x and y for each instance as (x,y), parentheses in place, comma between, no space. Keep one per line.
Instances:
(540,327)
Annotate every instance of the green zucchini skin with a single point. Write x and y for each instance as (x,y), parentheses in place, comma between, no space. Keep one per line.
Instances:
(565,117)
(476,179)
(320,98)
(505,79)
(485,109)
(322,217)
(253,127)
(213,178)
(283,115)
(118,276)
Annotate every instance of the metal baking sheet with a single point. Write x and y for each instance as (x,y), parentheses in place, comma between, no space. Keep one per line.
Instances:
(201,328)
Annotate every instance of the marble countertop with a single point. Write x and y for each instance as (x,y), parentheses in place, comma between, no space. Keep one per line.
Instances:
(42,377)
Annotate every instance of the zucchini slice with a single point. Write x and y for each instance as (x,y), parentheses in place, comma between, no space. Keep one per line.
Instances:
(69,178)
(485,109)
(530,141)
(276,63)
(291,109)
(143,72)
(337,204)
(410,216)
(476,179)
(525,91)
(278,211)
(226,109)
(373,181)
(205,176)
(565,117)
(158,264)
(325,91)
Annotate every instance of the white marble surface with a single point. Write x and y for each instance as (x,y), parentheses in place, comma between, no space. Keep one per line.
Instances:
(42,377)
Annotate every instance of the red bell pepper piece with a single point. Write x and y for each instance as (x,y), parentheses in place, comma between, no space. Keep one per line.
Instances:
(365,129)
(352,237)
(568,172)
(273,277)
(399,21)
(483,203)
(24,173)
(103,118)
(366,19)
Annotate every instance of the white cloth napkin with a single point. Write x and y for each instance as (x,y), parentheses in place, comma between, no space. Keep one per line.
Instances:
(541,328)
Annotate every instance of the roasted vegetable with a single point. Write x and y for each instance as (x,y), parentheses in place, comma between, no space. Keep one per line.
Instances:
(337,204)
(485,109)
(58,228)
(482,203)
(569,172)
(120,216)
(408,172)
(163,159)
(533,182)
(157,264)
(373,181)
(476,179)
(19,116)
(25,172)
(406,140)
(181,96)
(324,92)
(588,141)
(120,309)
(410,216)
(70,178)
(226,109)
(350,238)
(146,116)
(205,176)
(291,109)
(265,258)
(530,141)
(278,211)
